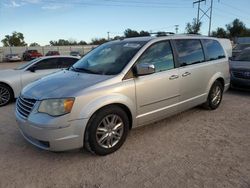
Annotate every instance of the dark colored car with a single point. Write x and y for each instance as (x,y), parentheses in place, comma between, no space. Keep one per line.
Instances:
(240,70)
(238,49)
(51,53)
(31,54)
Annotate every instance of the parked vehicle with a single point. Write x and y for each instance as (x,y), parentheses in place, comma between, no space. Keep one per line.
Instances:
(75,53)
(31,54)
(121,85)
(13,80)
(12,57)
(238,48)
(51,53)
(240,70)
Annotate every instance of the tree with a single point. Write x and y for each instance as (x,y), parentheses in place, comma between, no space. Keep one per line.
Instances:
(70,42)
(194,27)
(97,41)
(16,39)
(129,33)
(34,44)
(236,29)
(220,33)
(144,33)
(82,43)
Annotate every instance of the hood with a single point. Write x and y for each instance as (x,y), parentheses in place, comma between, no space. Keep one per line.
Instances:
(243,65)
(62,84)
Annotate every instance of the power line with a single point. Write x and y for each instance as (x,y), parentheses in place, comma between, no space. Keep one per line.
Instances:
(114,5)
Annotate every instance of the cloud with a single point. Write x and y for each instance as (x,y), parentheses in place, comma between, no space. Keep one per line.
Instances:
(53,7)
(31,1)
(19,3)
(12,4)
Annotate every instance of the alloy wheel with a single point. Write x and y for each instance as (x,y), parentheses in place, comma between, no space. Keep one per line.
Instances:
(109,131)
(216,95)
(4,95)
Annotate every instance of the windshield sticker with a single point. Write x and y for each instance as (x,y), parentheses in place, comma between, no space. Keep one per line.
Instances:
(132,45)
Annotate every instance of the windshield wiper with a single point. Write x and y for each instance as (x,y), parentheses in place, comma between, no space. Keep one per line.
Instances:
(83,70)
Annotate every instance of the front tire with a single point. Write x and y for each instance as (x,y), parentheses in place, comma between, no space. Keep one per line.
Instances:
(215,96)
(107,130)
(6,95)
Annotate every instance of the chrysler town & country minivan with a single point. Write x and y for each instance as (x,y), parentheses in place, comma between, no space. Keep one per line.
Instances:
(120,85)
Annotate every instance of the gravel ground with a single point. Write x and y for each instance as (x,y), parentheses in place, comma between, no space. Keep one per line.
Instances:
(197,148)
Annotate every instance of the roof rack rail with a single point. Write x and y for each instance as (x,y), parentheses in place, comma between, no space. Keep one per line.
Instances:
(162,33)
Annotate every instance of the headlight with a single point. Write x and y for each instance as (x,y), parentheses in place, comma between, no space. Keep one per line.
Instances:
(56,107)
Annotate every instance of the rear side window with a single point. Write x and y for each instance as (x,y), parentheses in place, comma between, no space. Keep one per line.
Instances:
(160,55)
(213,49)
(189,51)
(66,62)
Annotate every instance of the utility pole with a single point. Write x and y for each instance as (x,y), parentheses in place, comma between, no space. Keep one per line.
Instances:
(205,13)
(176,28)
(108,35)
(199,9)
(210,19)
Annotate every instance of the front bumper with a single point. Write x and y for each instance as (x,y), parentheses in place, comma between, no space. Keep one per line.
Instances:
(53,139)
(240,83)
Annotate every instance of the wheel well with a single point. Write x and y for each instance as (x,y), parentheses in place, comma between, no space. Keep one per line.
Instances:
(12,91)
(221,80)
(125,108)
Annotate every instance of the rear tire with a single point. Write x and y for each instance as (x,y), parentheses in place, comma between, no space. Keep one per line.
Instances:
(215,96)
(6,95)
(107,130)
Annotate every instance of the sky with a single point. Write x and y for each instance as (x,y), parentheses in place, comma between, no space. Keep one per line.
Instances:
(44,20)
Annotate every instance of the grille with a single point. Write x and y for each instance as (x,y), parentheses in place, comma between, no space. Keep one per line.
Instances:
(25,106)
(241,74)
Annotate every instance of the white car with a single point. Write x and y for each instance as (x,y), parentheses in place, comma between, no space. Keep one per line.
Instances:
(13,80)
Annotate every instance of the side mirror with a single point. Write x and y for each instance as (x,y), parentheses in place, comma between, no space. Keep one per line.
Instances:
(32,69)
(144,69)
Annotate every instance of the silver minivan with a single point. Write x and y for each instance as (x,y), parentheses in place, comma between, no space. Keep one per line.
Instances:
(120,85)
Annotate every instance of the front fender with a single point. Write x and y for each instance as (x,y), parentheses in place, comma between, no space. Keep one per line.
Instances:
(91,107)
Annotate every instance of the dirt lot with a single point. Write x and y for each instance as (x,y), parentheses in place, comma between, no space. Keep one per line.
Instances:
(197,148)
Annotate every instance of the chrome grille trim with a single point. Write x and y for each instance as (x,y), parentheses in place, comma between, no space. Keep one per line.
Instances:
(25,106)
(241,74)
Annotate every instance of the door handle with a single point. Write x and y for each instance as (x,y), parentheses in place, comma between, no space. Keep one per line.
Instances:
(173,77)
(186,74)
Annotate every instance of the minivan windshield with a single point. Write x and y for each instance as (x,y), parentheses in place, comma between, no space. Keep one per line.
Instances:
(109,58)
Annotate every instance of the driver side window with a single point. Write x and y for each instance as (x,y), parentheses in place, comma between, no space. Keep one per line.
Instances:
(160,55)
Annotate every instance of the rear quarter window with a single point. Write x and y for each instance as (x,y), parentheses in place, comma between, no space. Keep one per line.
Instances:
(214,50)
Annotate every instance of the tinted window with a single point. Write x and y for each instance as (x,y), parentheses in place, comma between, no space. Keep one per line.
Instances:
(241,46)
(243,56)
(189,51)
(47,64)
(214,49)
(160,55)
(66,62)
